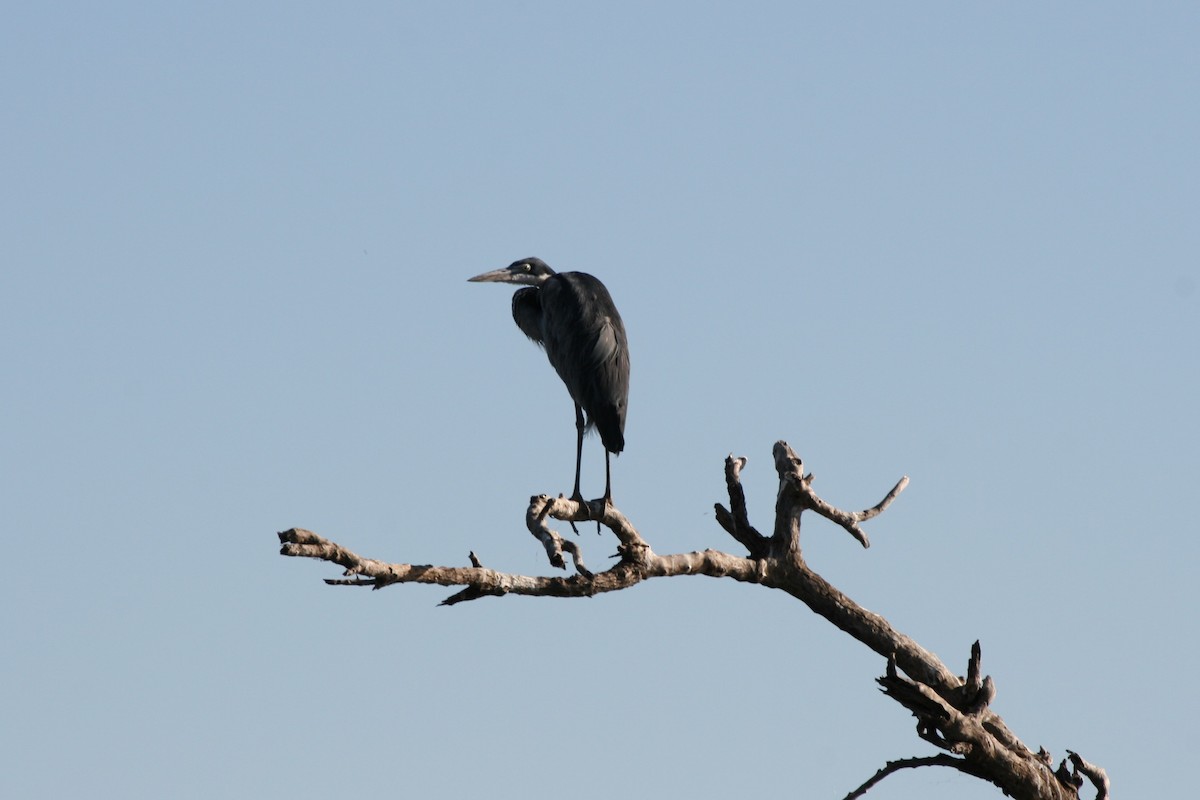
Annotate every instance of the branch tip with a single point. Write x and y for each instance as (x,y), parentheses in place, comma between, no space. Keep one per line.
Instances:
(1095,774)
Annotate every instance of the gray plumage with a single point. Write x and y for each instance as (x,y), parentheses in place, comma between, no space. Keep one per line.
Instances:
(572,316)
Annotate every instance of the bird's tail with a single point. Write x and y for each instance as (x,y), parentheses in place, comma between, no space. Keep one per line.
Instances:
(611,426)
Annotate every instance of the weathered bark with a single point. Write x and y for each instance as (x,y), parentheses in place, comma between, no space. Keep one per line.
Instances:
(953,714)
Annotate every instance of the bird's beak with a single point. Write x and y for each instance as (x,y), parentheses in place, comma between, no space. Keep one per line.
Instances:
(504,275)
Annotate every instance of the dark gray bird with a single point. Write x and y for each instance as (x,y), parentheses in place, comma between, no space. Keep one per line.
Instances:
(573,317)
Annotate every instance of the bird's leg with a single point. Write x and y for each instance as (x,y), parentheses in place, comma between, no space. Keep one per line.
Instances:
(576,495)
(607,486)
(607,480)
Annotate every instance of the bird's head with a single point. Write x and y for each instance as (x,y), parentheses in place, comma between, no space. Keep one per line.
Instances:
(527,272)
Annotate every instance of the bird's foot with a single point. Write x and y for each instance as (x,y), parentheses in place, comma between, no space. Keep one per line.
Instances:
(586,505)
(578,498)
(605,502)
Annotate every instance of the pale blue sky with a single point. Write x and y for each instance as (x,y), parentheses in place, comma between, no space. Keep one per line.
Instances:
(953,241)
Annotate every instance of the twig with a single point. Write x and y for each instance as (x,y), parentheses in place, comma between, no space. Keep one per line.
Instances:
(939,760)
(791,474)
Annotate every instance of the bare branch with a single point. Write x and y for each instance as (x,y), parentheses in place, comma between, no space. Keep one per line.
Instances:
(736,521)
(939,760)
(877,509)
(974,682)
(790,502)
(989,750)
(953,714)
(978,692)
(724,518)
(798,487)
(535,520)
(636,565)
(562,508)
(1097,776)
(1068,777)
(377,574)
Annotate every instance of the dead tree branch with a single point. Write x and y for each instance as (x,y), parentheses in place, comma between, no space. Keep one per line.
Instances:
(636,564)
(736,520)
(940,760)
(953,714)
(1097,776)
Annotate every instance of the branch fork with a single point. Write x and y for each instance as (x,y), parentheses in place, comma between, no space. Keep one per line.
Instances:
(953,713)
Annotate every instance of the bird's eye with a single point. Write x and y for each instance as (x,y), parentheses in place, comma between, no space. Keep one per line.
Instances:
(527,267)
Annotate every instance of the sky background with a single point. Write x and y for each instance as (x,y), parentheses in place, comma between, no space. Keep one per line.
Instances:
(957,242)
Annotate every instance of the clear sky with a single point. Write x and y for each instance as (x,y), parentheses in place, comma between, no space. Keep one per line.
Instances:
(953,241)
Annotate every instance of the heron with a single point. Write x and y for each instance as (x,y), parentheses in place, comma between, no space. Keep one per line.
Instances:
(573,317)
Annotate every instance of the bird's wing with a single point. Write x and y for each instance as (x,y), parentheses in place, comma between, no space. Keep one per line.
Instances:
(585,341)
(527,312)
(580,322)
(609,337)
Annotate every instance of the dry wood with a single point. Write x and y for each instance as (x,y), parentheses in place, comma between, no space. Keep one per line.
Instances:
(953,713)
